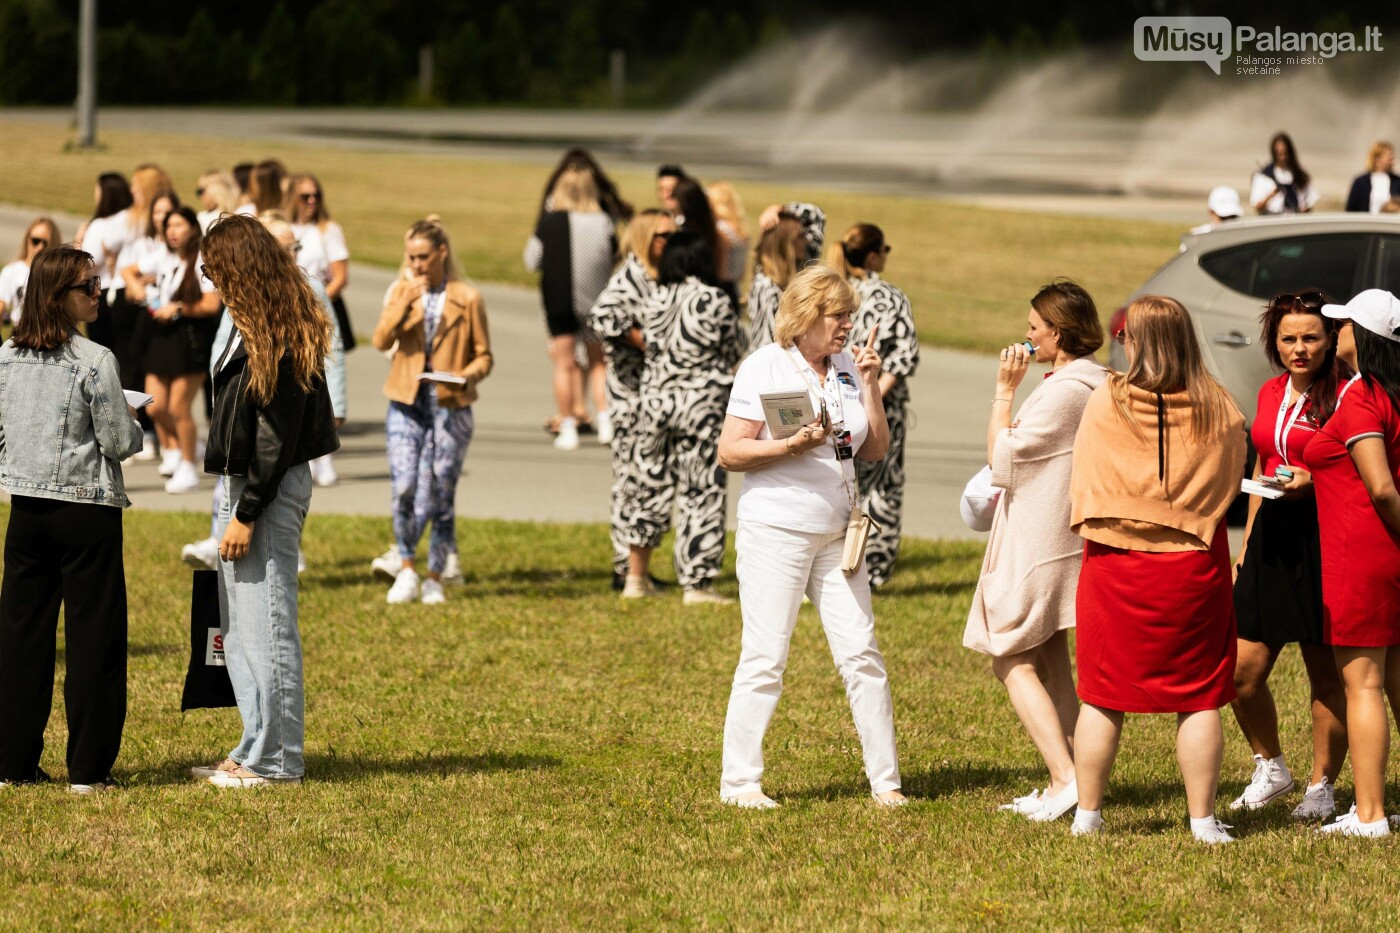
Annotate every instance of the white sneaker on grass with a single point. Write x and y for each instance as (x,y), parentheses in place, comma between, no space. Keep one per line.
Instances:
(386,566)
(185,479)
(1350,825)
(704,596)
(1024,805)
(1211,831)
(1319,802)
(1270,782)
(452,570)
(432,593)
(1086,824)
(405,588)
(753,800)
(94,788)
(1052,807)
(201,555)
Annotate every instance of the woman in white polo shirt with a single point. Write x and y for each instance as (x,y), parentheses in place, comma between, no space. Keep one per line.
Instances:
(796,501)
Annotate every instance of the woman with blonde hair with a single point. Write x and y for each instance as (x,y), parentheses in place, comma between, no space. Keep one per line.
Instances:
(573,247)
(272,414)
(435,324)
(1157,462)
(41,234)
(618,319)
(218,194)
(794,511)
(792,237)
(733,229)
(860,255)
(1375,187)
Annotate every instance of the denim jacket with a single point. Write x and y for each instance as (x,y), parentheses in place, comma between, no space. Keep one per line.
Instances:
(64,425)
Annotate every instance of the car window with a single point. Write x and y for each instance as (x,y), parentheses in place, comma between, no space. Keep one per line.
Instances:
(1330,261)
(1390,263)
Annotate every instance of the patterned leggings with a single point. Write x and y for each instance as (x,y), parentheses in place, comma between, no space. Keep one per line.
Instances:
(427,444)
(676,461)
(624,413)
(882,498)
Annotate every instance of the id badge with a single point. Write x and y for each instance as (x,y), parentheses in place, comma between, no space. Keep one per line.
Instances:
(842,439)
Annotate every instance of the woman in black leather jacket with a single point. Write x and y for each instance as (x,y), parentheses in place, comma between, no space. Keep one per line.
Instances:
(272,414)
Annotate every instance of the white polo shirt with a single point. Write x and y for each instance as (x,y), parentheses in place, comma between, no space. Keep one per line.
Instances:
(806,492)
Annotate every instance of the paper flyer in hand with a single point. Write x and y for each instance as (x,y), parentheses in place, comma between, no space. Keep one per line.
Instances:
(449,378)
(787,412)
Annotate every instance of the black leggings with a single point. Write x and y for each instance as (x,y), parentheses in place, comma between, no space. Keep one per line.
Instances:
(70,553)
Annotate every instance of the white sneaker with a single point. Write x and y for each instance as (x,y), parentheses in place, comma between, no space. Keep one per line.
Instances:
(1213,833)
(323,472)
(202,555)
(149,450)
(637,587)
(1271,781)
(605,428)
(1052,808)
(169,462)
(704,596)
(1024,805)
(1349,825)
(405,588)
(432,593)
(386,566)
(239,779)
(186,479)
(98,788)
(452,570)
(754,800)
(1319,802)
(567,438)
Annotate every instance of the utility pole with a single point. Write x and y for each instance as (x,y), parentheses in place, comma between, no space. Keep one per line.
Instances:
(87,73)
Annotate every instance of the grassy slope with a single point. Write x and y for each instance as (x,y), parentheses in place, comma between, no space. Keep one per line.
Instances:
(968,271)
(536,752)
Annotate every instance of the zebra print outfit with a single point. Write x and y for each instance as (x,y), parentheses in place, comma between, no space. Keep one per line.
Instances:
(619,309)
(882,482)
(693,342)
(764,293)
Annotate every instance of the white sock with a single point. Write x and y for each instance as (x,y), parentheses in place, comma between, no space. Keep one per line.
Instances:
(1088,817)
(1203,824)
(1278,762)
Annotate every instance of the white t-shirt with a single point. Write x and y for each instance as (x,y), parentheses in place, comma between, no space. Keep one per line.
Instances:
(105,240)
(170,272)
(806,492)
(320,248)
(1261,184)
(12,280)
(1380,191)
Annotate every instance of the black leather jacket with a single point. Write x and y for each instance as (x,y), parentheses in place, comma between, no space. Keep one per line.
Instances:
(262,442)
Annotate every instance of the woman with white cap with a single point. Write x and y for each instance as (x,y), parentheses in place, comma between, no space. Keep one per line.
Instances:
(1354,461)
(1224,206)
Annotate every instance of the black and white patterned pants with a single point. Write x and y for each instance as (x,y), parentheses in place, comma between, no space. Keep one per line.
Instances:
(676,462)
(882,498)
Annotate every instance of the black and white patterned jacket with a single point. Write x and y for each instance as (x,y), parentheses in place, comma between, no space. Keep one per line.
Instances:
(693,337)
(898,345)
(764,293)
(619,308)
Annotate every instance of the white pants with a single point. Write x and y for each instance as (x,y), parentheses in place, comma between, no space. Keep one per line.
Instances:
(776,566)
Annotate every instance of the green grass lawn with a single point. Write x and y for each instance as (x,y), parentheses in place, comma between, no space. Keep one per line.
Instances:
(969,271)
(536,753)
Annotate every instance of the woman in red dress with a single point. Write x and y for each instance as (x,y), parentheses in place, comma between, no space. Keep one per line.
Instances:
(1157,461)
(1355,461)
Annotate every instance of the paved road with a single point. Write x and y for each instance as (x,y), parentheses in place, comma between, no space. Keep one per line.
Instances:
(512,470)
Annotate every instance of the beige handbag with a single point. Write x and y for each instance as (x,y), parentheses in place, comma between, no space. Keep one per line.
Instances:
(858,531)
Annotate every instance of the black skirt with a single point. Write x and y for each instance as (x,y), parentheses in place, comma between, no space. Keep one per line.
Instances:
(1278,594)
(178,348)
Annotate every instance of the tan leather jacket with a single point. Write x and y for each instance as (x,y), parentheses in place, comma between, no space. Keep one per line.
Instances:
(461,344)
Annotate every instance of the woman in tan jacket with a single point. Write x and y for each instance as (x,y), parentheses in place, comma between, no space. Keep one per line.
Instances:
(435,326)
(1024,605)
(1158,459)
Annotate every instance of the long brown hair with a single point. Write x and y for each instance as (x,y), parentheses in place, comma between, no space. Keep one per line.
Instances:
(265,190)
(780,249)
(1168,360)
(849,255)
(1333,371)
(270,301)
(188,290)
(289,206)
(44,325)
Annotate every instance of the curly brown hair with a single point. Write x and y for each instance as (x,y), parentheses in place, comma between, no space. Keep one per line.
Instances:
(271,302)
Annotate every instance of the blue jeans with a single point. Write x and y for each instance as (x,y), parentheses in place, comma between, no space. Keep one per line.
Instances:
(426,445)
(258,602)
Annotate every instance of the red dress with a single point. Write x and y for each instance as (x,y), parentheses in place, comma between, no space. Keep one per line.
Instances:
(1360,552)
(1156,629)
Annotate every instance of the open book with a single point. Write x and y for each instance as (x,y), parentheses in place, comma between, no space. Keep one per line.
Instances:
(449,378)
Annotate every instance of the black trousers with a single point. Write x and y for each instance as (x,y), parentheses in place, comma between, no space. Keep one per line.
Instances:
(61,552)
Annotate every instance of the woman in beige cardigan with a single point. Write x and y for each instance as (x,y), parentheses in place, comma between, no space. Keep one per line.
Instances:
(1024,604)
(1158,459)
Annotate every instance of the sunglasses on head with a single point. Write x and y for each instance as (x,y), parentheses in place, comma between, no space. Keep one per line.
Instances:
(38,241)
(1308,301)
(91,286)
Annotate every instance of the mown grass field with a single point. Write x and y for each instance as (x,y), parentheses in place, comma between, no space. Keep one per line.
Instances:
(969,271)
(536,753)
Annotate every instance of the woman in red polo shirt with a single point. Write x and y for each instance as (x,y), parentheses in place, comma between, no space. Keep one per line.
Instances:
(1354,461)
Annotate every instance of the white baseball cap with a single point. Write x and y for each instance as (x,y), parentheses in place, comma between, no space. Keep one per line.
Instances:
(1375,309)
(1224,201)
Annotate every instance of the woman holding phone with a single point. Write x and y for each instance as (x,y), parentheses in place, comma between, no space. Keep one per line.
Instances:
(797,502)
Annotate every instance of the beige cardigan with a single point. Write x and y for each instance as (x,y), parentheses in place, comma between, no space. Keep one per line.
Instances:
(1030,573)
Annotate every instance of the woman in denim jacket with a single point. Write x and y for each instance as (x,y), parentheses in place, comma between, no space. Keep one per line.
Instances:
(64,429)
(272,416)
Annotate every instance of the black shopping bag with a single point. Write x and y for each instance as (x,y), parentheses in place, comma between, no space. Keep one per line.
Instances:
(206,685)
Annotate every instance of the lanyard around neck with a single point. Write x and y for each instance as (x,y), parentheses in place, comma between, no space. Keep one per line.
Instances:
(805,370)
(1283,424)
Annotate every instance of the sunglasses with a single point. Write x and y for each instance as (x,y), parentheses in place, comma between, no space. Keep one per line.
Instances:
(92,287)
(199,192)
(1309,301)
(308,198)
(663,236)
(1122,337)
(38,241)
(204,271)
(887,249)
